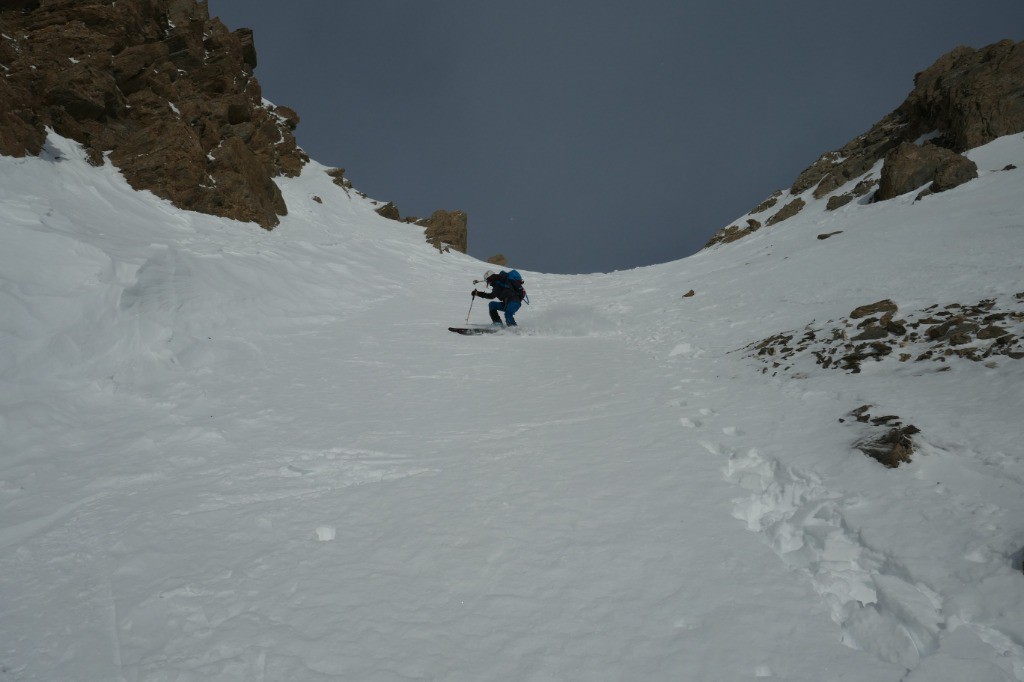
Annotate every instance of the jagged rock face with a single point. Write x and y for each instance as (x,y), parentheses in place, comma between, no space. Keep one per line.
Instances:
(965,99)
(447,228)
(968,97)
(163,89)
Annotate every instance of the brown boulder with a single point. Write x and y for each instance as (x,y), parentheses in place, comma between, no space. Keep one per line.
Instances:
(389,211)
(954,172)
(447,229)
(498,259)
(885,306)
(338,178)
(910,166)
(838,201)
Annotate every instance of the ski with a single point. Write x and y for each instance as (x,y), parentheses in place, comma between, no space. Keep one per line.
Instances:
(476,329)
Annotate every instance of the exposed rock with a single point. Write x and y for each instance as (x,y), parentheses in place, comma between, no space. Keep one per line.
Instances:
(838,201)
(967,332)
(447,229)
(970,96)
(955,172)
(871,332)
(884,306)
(158,85)
(864,186)
(731,234)
(768,203)
(389,211)
(826,235)
(690,294)
(966,98)
(910,166)
(894,447)
(956,330)
(21,128)
(787,211)
(339,179)
(992,332)
(734,232)
(498,259)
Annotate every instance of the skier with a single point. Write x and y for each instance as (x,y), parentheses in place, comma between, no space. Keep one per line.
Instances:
(507,288)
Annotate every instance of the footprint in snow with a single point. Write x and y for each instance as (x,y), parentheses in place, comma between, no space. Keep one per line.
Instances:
(732,431)
(713,448)
(326,533)
(689,423)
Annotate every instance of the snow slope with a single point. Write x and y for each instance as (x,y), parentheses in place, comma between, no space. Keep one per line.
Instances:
(231,454)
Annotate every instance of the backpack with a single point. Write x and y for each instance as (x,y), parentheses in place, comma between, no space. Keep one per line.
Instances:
(509,280)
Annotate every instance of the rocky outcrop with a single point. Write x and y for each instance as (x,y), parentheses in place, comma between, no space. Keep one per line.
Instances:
(987,331)
(910,166)
(447,229)
(839,200)
(498,259)
(788,211)
(893,446)
(157,86)
(967,98)
(734,232)
(389,211)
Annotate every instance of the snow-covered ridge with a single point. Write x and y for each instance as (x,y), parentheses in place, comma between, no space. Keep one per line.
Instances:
(234,454)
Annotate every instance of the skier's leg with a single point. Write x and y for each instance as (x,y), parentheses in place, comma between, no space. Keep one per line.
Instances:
(493,307)
(510,310)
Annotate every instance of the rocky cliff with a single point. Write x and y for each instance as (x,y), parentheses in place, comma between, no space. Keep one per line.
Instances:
(167,93)
(163,90)
(965,99)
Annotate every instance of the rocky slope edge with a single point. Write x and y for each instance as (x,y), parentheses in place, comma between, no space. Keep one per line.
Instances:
(965,99)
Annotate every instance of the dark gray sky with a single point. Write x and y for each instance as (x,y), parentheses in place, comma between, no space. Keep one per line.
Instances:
(593,135)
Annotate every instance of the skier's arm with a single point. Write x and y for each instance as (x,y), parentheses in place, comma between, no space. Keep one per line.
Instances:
(486,294)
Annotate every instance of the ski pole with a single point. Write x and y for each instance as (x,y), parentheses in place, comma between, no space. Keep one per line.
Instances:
(471,304)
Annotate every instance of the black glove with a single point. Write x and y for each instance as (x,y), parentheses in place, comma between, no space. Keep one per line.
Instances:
(473,293)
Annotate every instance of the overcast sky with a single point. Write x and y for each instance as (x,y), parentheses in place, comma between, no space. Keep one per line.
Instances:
(594,135)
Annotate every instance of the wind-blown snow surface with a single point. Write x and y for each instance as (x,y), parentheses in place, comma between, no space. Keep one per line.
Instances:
(231,454)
